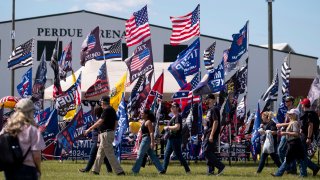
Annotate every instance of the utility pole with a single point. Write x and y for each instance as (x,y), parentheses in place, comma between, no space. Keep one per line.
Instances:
(270,41)
(13,34)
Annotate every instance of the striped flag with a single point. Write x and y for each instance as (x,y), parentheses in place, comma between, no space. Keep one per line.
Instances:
(21,56)
(272,91)
(208,57)
(139,60)
(111,51)
(185,27)
(137,27)
(285,73)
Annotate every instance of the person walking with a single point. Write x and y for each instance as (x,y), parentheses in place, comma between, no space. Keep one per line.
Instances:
(269,125)
(174,141)
(295,148)
(211,135)
(94,147)
(22,125)
(147,143)
(106,124)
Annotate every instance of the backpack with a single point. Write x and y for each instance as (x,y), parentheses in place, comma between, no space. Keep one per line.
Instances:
(11,155)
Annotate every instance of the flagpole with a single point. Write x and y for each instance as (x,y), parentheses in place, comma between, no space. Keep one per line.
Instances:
(13,43)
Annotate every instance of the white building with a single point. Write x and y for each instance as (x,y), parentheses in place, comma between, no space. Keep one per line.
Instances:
(76,25)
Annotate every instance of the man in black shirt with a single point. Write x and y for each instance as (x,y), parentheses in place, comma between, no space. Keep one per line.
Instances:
(309,128)
(106,125)
(211,136)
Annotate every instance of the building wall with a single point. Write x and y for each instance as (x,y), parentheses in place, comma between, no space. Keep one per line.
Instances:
(83,22)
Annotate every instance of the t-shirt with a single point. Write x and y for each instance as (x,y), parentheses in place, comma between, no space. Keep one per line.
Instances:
(176,120)
(272,127)
(310,117)
(109,117)
(213,114)
(295,127)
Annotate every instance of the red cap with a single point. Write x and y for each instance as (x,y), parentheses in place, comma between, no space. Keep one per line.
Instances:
(305,102)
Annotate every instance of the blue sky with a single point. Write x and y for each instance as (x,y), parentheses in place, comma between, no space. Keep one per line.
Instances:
(294,21)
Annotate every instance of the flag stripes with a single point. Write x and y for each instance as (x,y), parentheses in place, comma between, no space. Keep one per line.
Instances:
(208,57)
(285,73)
(272,91)
(21,56)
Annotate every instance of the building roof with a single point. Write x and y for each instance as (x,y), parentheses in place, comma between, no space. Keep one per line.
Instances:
(285,47)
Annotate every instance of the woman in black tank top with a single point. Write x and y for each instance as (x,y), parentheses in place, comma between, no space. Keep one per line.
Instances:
(147,143)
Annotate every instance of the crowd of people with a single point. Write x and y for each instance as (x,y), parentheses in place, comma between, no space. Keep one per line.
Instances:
(288,141)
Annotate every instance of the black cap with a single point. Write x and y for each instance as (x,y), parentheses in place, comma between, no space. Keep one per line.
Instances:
(210,96)
(105,99)
(289,98)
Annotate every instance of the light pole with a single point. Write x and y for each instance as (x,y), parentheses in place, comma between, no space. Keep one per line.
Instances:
(13,33)
(270,41)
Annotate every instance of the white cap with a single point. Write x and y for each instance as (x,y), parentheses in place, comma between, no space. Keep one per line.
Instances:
(293,111)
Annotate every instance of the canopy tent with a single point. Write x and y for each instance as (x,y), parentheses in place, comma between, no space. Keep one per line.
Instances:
(115,71)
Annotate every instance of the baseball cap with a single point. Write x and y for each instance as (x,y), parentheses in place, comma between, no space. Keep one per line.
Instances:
(293,111)
(210,96)
(105,99)
(289,98)
(305,102)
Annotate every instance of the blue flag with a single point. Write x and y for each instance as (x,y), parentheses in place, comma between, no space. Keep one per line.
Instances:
(239,45)
(255,138)
(42,116)
(282,110)
(40,82)
(50,127)
(123,123)
(212,82)
(25,87)
(187,63)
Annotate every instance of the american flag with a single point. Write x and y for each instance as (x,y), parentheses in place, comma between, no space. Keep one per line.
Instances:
(21,56)
(91,42)
(137,27)
(208,57)
(185,27)
(111,51)
(285,73)
(139,59)
(194,82)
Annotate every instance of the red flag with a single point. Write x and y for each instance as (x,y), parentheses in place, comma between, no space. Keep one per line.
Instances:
(185,27)
(137,27)
(156,92)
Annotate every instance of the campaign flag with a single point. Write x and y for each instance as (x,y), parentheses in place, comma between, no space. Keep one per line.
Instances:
(68,135)
(65,64)
(71,113)
(91,47)
(101,85)
(285,74)
(41,115)
(255,139)
(40,82)
(156,92)
(123,122)
(143,95)
(141,61)
(211,82)
(185,27)
(21,56)
(134,93)
(116,93)
(137,27)
(314,92)
(228,66)
(241,109)
(272,91)
(55,66)
(43,123)
(239,44)
(69,99)
(242,78)
(25,87)
(111,51)
(208,56)
(51,127)
(187,63)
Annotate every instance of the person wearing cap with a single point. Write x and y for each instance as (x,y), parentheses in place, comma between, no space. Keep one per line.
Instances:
(106,125)
(174,141)
(283,123)
(295,148)
(309,130)
(21,124)
(211,135)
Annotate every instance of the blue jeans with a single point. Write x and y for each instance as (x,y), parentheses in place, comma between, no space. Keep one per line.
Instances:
(209,150)
(92,158)
(264,156)
(143,149)
(22,173)
(174,144)
(282,150)
(284,167)
(308,162)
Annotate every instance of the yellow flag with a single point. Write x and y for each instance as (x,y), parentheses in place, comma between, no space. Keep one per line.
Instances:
(69,116)
(116,94)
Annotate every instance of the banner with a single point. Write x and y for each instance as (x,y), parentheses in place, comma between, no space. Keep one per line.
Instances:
(101,85)
(25,87)
(239,45)
(40,82)
(123,123)
(91,47)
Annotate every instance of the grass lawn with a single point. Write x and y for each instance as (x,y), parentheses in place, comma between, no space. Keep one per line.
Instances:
(239,170)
